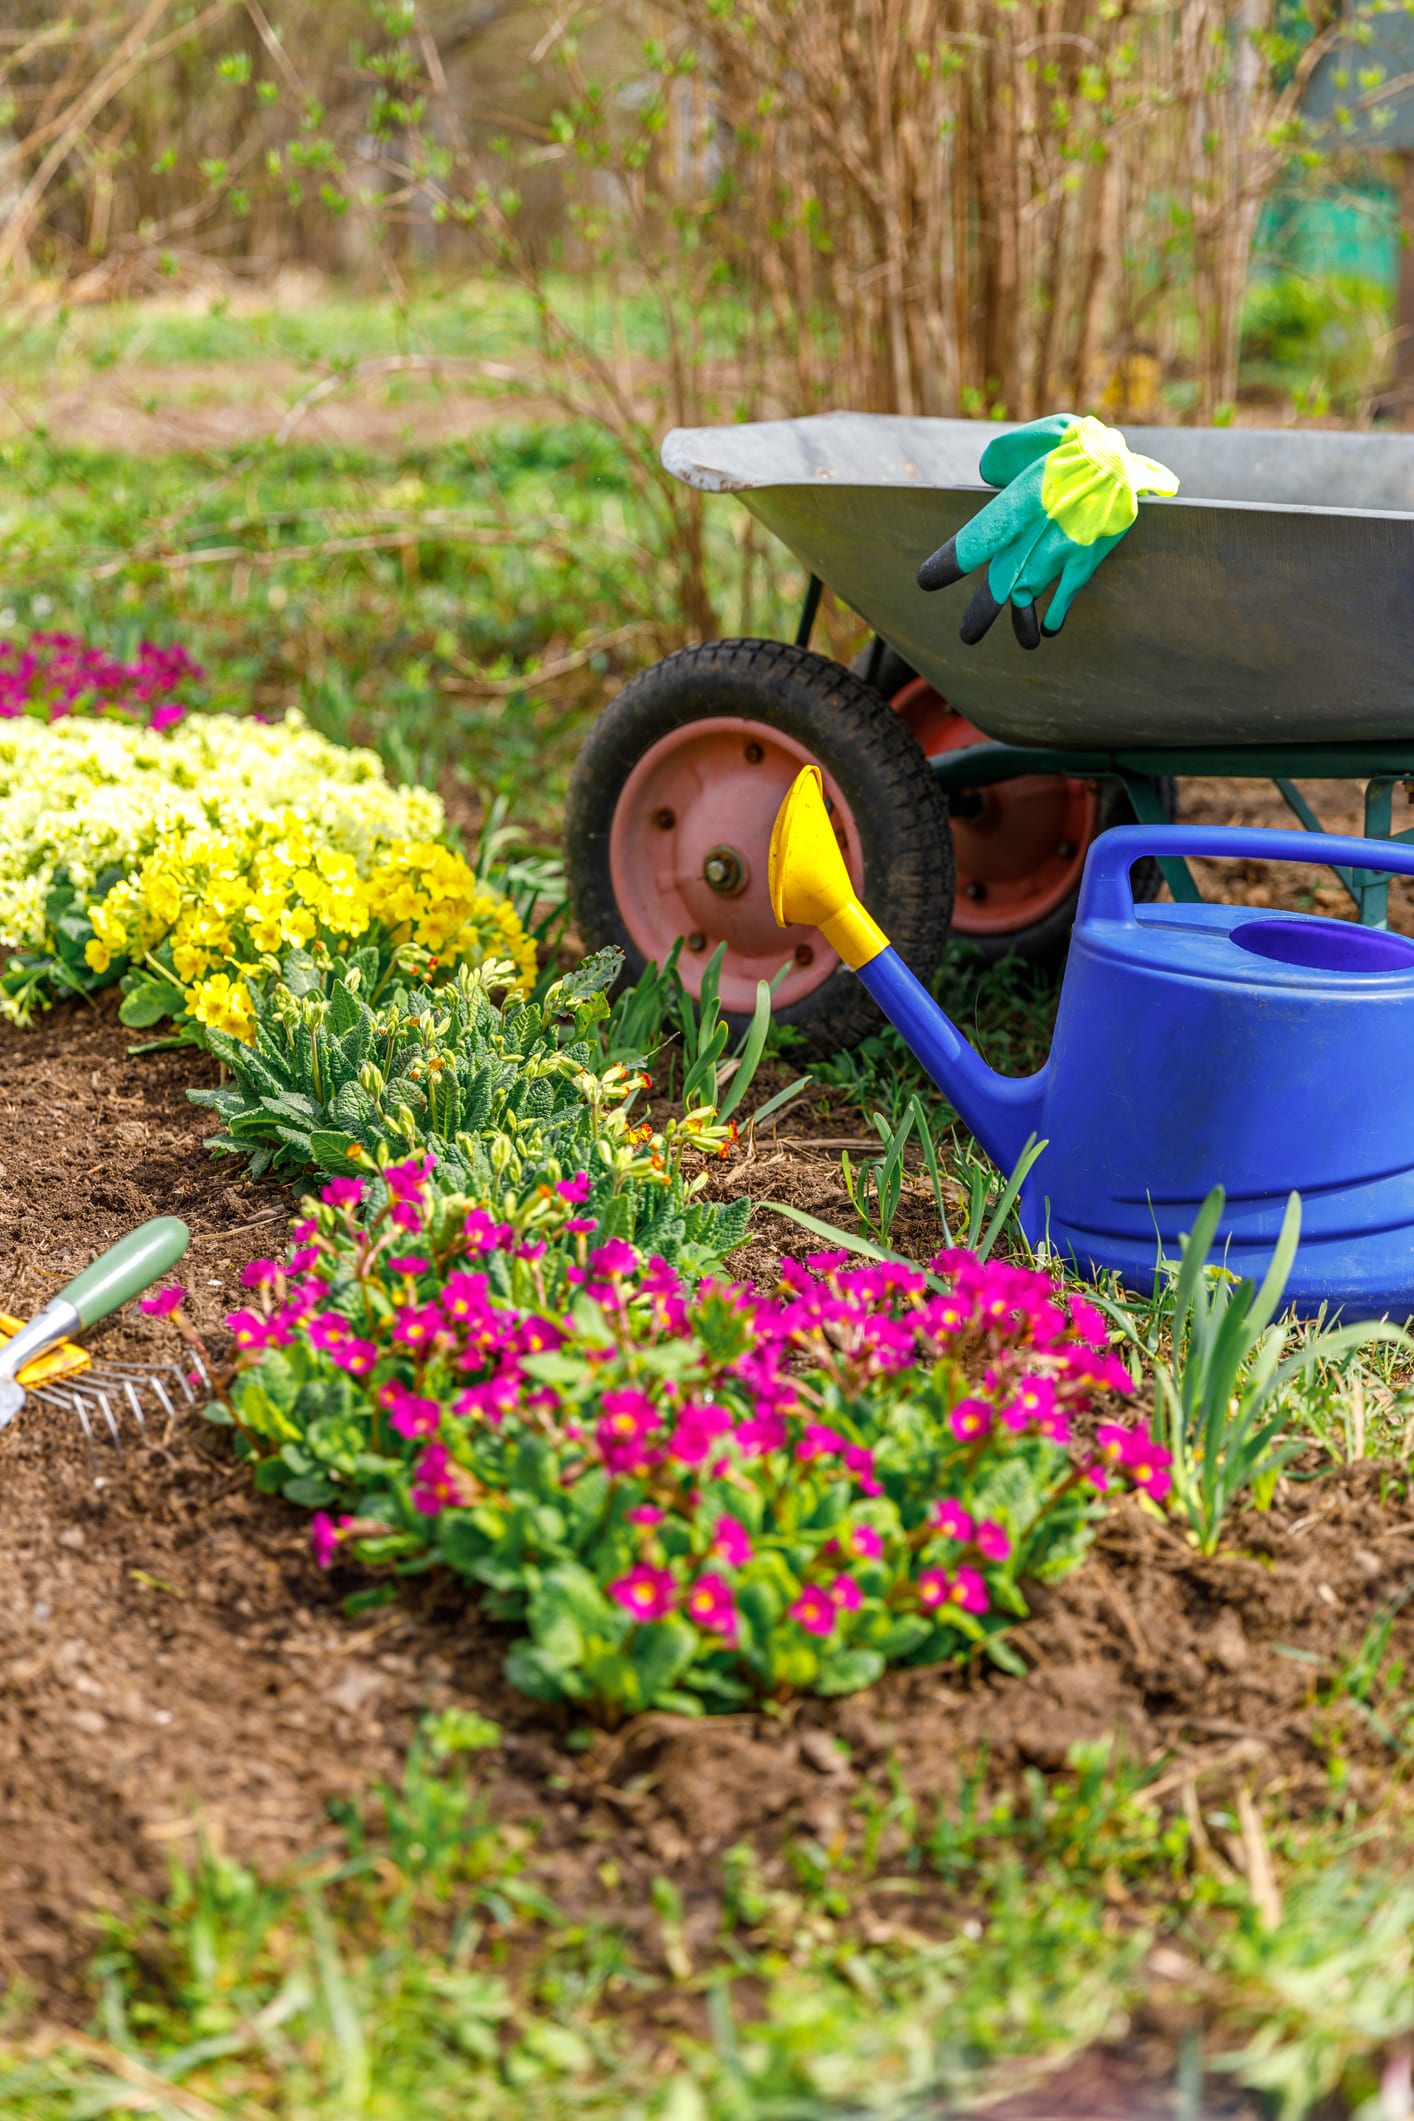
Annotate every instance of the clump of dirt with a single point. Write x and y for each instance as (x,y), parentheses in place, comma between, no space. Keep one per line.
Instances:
(170,1658)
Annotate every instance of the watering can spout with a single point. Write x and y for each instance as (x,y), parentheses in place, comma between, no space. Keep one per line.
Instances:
(811,885)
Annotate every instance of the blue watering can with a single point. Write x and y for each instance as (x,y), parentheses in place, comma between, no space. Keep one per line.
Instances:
(1195,1045)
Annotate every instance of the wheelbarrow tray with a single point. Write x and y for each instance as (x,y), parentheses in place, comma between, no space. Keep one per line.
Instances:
(1270,602)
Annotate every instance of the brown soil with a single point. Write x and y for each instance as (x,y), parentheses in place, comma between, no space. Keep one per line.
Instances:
(173,1662)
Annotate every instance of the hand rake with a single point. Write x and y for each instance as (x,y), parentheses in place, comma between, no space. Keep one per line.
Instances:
(39,1361)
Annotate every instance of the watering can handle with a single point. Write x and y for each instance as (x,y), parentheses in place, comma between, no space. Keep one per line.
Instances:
(1105,894)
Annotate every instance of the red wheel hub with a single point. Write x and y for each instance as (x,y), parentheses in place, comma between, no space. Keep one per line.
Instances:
(688,849)
(1020,846)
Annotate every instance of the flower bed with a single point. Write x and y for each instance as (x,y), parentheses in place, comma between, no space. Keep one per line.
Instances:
(52,675)
(189,865)
(681,1498)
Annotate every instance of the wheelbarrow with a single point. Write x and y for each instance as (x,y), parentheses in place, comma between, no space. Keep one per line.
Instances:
(1261,624)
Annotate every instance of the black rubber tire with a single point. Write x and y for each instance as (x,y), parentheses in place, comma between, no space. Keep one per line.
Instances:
(1045,942)
(873,757)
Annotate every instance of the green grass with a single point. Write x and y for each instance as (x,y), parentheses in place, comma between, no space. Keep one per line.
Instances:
(417,1965)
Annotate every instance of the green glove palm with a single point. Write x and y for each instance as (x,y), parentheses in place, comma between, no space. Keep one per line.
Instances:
(1070,490)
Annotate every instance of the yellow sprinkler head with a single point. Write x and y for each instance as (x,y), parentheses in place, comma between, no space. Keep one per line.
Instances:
(810,885)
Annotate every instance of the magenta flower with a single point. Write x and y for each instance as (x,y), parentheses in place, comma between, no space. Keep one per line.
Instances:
(575,1190)
(814,1610)
(697,1429)
(860,1462)
(970,1419)
(343,1193)
(485,1234)
(846,1594)
(645,1513)
(615,1257)
(466,1295)
(260,1273)
(732,1541)
(991,1541)
(405,1215)
(711,1604)
(951,1520)
(934,1586)
(414,1263)
(627,1419)
(324,1538)
(407,1180)
(864,1542)
(409,1414)
(819,1441)
(969,1591)
(356,1356)
(437,1483)
(645,1592)
(328,1331)
(581,1225)
(763,1433)
(1146,1467)
(163,1302)
(1032,1405)
(417,1325)
(249,1328)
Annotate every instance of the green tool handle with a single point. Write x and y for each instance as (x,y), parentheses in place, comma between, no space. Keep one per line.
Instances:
(127,1268)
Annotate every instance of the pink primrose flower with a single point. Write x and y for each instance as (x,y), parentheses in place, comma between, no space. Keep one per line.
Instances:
(1031,1406)
(814,1610)
(860,1462)
(968,1591)
(413,1263)
(466,1295)
(328,1331)
(249,1329)
(645,1514)
(260,1273)
(934,1584)
(992,1541)
(163,1302)
(484,1234)
(644,1591)
(951,1520)
(845,1593)
(819,1441)
(581,1225)
(408,1413)
(417,1325)
(493,1399)
(356,1356)
(343,1193)
(575,1190)
(970,1419)
(324,1538)
(711,1604)
(732,1541)
(864,1542)
(615,1257)
(761,1434)
(406,1216)
(437,1482)
(697,1429)
(407,1180)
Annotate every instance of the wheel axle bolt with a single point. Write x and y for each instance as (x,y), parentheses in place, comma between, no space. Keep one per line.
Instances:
(724,869)
(975,890)
(664,820)
(754,754)
(804,955)
(1066,850)
(697,941)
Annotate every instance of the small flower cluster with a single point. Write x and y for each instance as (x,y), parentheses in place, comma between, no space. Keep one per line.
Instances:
(84,803)
(689,1497)
(214,910)
(56,674)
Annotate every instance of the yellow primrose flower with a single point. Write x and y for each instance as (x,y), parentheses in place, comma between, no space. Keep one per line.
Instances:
(225,1005)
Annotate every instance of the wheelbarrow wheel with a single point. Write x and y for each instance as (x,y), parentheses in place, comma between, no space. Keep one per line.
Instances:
(1019,846)
(669,816)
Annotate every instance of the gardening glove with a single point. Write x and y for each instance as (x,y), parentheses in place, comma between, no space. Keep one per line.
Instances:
(1070,490)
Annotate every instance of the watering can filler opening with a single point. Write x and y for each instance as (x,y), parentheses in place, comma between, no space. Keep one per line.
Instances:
(1195,1046)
